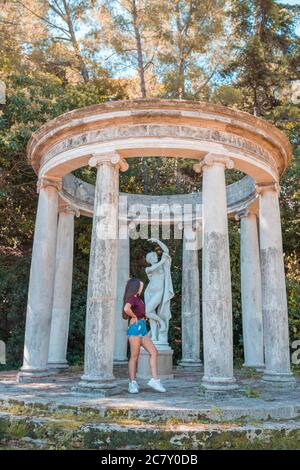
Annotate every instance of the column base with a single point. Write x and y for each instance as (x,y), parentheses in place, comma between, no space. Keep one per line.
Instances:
(219,384)
(280,379)
(258,367)
(93,384)
(185,363)
(33,375)
(58,365)
(120,362)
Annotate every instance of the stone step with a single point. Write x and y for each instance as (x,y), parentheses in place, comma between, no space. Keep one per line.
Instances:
(24,432)
(256,410)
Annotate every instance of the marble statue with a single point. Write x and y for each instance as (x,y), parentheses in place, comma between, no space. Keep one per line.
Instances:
(2,352)
(159,293)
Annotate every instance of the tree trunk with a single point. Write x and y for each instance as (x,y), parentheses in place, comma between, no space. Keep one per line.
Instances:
(83,69)
(256,107)
(139,50)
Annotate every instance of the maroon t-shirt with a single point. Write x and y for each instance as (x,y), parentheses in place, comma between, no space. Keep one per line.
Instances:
(137,306)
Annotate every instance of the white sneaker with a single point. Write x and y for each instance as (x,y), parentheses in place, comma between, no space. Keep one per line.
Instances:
(156,385)
(133,387)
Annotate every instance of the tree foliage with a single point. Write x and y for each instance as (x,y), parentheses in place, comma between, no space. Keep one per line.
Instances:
(265,52)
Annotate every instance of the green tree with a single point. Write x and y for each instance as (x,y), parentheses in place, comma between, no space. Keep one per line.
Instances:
(62,19)
(265,51)
(131,30)
(188,58)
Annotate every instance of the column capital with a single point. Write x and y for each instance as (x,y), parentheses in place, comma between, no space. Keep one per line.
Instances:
(69,209)
(213,159)
(244,213)
(262,187)
(45,181)
(112,158)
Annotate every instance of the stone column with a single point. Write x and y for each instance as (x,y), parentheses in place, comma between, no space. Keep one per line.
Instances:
(120,351)
(216,279)
(274,302)
(100,315)
(190,300)
(251,291)
(40,293)
(62,289)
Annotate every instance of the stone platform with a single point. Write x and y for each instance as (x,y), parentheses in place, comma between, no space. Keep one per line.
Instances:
(49,414)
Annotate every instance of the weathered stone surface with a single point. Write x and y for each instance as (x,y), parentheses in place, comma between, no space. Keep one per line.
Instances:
(190,300)
(164,364)
(150,130)
(121,325)
(40,293)
(216,283)
(101,297)
(81,195)
(251,292)
(186,128)
(62,290)
(274,302)
(185,398)
(55,434)
(49,415)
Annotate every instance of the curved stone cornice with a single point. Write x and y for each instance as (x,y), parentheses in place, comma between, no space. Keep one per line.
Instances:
(159,128)
(80,194)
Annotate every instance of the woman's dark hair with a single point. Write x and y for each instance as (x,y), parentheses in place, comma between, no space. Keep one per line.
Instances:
(132,288)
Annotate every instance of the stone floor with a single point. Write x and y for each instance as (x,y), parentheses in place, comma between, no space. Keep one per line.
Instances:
(52,415)
(185,397)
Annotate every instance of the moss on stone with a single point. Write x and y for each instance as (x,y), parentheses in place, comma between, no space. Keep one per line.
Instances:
(11,428)
(52,426)
(70,435)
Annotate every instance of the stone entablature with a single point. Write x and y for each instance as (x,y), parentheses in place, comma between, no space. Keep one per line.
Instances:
(81,195)
(159,128)
(120,133)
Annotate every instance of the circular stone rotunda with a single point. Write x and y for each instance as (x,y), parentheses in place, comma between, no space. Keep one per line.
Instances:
(107,136)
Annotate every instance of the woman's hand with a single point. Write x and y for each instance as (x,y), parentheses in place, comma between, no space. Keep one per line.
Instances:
(130,313)
(133,320)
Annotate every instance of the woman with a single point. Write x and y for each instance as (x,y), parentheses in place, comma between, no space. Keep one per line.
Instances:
(134,308)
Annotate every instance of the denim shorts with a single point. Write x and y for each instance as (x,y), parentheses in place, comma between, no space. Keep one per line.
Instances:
(137,329)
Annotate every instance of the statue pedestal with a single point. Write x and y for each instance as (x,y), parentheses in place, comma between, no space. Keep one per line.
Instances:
(164,363)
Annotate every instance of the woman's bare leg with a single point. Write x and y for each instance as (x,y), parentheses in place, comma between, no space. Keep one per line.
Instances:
(150,347)
(135,346)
